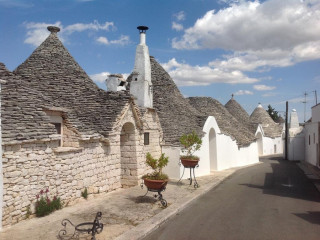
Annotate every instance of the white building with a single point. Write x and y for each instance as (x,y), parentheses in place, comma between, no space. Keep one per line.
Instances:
(296,139)
(270,134)
(312,137)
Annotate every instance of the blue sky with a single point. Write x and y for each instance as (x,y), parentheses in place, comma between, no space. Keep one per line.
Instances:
(261,51)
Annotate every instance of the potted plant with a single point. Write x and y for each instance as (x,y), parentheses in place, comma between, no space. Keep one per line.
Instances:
(191,143)
(157,179)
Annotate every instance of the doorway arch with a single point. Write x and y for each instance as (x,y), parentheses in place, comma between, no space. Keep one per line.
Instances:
(213,150)
(260,143)
(128,159)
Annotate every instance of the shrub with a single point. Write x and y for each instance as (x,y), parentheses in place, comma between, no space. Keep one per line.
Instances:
(191,143)
(156,165)
(45,206)
(85,194)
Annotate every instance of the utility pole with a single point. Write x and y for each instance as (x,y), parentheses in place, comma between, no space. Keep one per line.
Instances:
(305,103)
(286,133)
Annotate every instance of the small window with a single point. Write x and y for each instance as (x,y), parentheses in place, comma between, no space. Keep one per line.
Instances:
(58,127)
(146,138)
(314,138)
(309,139)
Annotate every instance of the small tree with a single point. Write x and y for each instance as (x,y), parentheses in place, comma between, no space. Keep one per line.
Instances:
(273,113)
(157,165)
(191,143)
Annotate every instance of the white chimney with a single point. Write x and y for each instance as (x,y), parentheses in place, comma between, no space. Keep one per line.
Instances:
(294,121)
(115,82)
(141,85)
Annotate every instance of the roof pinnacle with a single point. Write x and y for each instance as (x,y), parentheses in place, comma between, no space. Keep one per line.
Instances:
(53,29)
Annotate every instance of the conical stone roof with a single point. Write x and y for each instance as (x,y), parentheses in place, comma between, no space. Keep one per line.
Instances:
(270,128)
(59,79)
(240,114)
(177,116)
(226,122)
(22,117)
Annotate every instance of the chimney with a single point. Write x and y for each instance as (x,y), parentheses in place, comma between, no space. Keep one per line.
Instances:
(116,82)
(141,85)
(53,29)
(294,121)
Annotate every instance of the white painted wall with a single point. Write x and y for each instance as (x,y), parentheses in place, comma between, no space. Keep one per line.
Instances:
(296,147)
(311,148)
(316,113)
(218,152)
(270,146)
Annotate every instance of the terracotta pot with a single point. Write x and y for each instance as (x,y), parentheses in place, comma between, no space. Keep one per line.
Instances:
(155,184)
(189,162)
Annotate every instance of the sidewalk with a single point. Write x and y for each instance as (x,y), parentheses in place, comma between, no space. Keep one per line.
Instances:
(312,172)
(126,214)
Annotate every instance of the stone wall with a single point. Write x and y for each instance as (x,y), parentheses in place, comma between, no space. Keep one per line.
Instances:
(94,164)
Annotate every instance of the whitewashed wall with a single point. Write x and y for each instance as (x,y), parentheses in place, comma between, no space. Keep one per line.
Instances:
(296,148)
(316,113)
(268,144)
(311,129)
(223,153)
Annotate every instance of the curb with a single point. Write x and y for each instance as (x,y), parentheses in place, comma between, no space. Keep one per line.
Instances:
(309,174)
(156,221)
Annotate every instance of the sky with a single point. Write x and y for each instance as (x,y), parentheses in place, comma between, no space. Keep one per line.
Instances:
(264,52)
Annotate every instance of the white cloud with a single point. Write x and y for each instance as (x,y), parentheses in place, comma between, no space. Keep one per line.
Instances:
(15,3)
(37,32)
(123,40)
(101,77)
(95,26)
(261,35)
(177,26)
(180,16)
(263,87)
(103,40)
(186,75)
(243,92)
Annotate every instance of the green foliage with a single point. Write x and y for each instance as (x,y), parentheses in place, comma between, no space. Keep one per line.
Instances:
(273,113)
(85,194)
(45,206)
(157,165)
(191,143)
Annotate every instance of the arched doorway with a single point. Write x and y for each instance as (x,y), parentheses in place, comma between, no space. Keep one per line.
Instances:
(213,150)
(260,143)
(129,175)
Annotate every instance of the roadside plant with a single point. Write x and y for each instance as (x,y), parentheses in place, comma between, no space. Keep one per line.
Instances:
(191,143)
(45,205)
(85,194)
(157,165)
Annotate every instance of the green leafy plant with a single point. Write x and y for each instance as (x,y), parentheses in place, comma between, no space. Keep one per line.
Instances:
(85,194)
(191,143)
(45,205)
(157,165)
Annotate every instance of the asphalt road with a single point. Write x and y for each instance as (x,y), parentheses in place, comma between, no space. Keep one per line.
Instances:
(273,200)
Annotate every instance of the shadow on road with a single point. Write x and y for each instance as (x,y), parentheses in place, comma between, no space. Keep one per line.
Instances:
(312,217)
(286,180)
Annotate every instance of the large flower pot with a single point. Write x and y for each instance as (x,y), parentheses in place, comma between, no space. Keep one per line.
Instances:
(155,184)
(189,163)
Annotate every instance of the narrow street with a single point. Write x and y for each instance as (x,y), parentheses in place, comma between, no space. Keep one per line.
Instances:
(272,200)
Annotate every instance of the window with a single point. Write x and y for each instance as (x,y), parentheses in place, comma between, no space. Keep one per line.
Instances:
(58,127)
(309,139)
(146,138)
